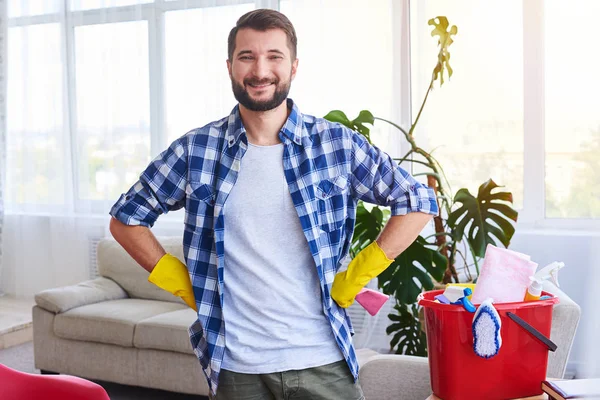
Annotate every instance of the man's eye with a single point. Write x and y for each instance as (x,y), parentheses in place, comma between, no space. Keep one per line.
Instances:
(245,58)
(276,58)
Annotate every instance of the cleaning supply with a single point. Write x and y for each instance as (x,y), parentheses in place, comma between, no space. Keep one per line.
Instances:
(367,264)
(371,300)
(457,295)
(465,302)
(172,275)
(486,330)
(534,291)
(464,285)
(550,271)
(440,298)
(504,276)
(454,293)
(457,372)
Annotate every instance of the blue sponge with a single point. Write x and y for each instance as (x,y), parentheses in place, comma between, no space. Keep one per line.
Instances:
(486,330)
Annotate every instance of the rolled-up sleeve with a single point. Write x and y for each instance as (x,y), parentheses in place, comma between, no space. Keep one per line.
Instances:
(160,189)
(376,178)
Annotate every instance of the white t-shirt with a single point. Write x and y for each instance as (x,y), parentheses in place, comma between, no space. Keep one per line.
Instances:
(272,307)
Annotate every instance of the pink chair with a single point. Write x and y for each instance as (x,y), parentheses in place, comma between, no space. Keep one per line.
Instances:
(16,385)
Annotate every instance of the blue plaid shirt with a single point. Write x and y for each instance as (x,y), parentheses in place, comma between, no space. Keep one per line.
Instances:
(328,168)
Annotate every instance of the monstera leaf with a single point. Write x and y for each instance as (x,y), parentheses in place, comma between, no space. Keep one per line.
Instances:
(367,227)
(408,337)
(486,215)
(398,278)
(445,40)
(357,124)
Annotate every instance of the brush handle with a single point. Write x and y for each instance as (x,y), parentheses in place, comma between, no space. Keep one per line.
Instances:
(537,334)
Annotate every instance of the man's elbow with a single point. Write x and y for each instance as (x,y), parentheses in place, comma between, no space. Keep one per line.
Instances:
(115,227)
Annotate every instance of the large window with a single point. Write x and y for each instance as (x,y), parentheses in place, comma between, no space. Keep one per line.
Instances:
(96,88)
(113,107)
(346,59)
(572,122)
(475,120)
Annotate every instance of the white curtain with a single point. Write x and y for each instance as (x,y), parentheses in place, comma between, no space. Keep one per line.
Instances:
(3,15)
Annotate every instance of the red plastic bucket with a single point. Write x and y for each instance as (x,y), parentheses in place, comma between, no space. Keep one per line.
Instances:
(457,373)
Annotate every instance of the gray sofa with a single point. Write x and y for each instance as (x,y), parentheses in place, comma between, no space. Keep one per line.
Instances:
(120,328)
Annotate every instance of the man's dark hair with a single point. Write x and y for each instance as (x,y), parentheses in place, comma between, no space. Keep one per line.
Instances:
(263,20)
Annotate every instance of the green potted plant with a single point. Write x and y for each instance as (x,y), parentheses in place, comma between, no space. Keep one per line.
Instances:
(463,228)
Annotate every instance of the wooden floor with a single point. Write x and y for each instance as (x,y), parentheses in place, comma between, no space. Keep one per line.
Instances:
(15,321)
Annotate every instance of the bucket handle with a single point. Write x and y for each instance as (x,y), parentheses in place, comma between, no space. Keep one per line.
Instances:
(537,334)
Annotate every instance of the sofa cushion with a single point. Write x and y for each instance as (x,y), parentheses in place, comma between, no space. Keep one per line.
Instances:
(110,322)
(116,264)
(62,299)
(167,331)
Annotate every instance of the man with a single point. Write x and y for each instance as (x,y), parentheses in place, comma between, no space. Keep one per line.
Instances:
(270,197)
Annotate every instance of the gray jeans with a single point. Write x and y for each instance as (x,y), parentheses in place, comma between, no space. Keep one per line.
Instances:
(328,382)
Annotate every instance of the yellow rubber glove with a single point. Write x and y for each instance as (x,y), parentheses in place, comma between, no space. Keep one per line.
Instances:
(172,275)
(367,264)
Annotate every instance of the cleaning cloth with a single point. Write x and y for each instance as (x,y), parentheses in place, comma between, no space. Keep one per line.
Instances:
(504,276)
(371,300)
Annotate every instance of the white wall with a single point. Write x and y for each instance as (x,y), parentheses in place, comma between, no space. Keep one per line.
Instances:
(579,251)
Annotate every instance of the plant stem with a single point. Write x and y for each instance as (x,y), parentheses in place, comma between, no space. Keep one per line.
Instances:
(413,161)
(412,128)
(474,257)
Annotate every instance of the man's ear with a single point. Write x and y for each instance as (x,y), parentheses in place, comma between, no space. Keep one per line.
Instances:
(294,68)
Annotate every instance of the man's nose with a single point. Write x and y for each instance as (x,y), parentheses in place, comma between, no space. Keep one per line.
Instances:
(260,69)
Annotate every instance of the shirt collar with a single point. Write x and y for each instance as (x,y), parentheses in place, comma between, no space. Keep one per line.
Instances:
(293,128)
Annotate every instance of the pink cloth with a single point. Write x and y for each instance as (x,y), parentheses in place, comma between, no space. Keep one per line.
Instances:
(371,300)
(504,276)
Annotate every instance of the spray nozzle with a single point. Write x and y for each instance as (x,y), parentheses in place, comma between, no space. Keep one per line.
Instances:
(536,283)
(549,271)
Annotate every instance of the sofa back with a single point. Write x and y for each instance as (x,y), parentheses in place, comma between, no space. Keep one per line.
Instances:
(115,263)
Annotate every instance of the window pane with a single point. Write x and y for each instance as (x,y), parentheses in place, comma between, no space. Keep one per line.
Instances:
(113,121)
(475,120)
(351,70)
(25,8)
(572,110)
(36,136)
(197,85)
(78,5)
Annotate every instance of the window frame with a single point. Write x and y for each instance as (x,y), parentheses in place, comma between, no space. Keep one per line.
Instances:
(532,215)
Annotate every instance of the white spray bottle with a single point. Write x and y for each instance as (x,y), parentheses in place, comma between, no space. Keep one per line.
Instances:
(534,291)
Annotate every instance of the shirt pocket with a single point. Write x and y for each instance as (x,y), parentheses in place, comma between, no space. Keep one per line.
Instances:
(200,205)
(332,202)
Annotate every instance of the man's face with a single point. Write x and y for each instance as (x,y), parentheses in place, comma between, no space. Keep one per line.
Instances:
(261,69)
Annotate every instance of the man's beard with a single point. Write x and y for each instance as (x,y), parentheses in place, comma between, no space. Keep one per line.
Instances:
(243,97)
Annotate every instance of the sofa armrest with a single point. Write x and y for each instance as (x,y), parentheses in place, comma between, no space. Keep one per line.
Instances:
(565,319)
(395,377)
(59,300)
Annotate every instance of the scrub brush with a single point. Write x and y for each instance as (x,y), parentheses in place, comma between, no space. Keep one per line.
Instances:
(486,330)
